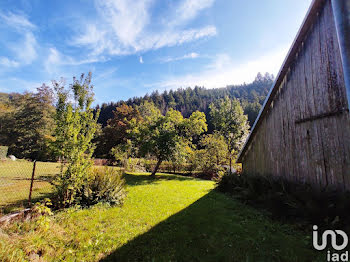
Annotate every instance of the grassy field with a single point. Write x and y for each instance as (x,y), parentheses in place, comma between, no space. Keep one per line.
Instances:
(171,218)
(15,179)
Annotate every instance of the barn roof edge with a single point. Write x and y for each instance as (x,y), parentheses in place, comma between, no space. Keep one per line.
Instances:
(311,15)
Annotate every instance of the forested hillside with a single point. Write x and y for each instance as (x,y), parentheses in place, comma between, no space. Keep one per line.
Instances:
(4,97)
(188,100)
(26,120)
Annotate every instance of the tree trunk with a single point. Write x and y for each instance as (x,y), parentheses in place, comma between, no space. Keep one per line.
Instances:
(156,168)
(230,165)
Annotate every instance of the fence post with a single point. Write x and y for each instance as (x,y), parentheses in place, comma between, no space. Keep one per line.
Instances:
(31,184)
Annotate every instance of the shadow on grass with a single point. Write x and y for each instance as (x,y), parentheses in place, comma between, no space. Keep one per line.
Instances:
(43,178)
(23,203)
(145,178)
(18,204)
(215,228)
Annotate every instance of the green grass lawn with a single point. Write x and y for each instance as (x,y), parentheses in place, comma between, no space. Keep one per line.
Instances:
(15,177)
(171,218)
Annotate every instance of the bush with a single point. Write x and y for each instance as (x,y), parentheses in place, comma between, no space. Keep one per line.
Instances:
(41,212)
(107,185)
(102,162)
(168,167)
(135,165)
(204,166)
(287,200)
(3,152)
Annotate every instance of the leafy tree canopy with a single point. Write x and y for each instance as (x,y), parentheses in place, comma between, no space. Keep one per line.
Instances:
(26,122)
(159,135)
(229,121)
(76,125)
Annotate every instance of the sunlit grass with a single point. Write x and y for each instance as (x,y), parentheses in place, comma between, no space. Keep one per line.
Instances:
(171,218)
(15,178)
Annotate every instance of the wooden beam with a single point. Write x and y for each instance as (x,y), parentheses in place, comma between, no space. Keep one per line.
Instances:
(328,114)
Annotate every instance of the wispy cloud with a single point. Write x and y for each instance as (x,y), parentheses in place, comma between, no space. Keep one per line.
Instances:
(25,48)
(106,74)
(14,84)
(173,38)
(141,60)
(188,10)
(127,18)
(127,27)
(17,21)
(26,51)
(4,61)
(224,71)
(192,55)
(55,59)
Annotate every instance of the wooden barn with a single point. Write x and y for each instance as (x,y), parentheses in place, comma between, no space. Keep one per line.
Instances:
(303,129)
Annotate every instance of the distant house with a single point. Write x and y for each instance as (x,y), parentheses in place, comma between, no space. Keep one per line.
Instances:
(303,130)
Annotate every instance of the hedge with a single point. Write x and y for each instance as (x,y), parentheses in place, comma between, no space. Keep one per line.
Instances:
(3,152)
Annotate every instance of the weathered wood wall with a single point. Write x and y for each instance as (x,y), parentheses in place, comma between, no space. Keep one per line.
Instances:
(305,133)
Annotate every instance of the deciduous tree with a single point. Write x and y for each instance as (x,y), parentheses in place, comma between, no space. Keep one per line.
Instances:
(116,133)
(26,122)
(159,135)
(76,125)
(229,120)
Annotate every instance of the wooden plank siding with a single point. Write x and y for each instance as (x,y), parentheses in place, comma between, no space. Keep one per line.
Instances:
(303,130)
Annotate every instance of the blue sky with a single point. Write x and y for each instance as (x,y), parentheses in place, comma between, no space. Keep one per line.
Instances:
(135,47)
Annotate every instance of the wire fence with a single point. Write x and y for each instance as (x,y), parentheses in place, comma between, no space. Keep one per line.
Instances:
(24,182)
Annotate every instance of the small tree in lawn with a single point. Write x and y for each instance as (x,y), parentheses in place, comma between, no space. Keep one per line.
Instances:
(159,135)
(215,148)
(181,155)
(76,125)
(212,155)
(229,120)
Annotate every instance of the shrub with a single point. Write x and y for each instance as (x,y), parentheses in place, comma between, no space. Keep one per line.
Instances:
(102,162)
(135,165)
(41,213)
(167,167)
(149,165)
(3,152)
(107,185)
(287,200)
(76,125)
